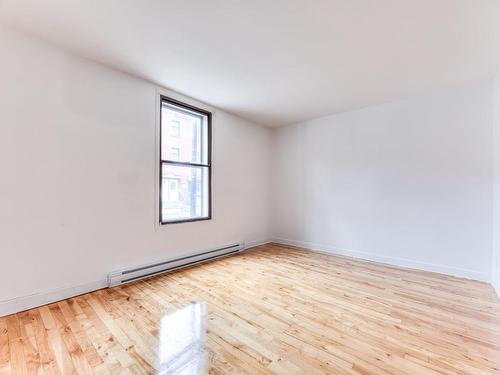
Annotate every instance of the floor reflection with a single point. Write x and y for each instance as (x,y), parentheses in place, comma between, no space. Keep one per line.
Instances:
(181,349)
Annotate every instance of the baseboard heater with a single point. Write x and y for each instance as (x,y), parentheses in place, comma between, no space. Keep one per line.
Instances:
(141,272)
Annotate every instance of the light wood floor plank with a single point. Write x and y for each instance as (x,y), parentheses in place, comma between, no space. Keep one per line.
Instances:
(5,367)
(31,352)
(18,363)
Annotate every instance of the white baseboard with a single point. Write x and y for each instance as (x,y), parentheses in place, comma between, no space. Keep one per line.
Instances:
(18,304)
(250,244)
(400,262)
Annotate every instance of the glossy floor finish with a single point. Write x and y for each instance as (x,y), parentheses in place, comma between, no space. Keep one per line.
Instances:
(270,310)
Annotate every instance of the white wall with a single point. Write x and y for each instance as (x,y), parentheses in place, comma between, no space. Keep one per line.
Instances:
(496,185)
(77,164)
(408,183)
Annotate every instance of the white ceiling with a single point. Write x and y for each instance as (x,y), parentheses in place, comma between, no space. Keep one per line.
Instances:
(277,61)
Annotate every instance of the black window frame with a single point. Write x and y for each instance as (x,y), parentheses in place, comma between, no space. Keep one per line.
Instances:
(190,109)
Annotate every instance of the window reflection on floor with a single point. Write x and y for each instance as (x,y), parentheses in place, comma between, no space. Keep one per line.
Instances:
(181,349)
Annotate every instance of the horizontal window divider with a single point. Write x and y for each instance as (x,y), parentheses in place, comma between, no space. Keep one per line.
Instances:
(185,164)
(180,221)
(185,108)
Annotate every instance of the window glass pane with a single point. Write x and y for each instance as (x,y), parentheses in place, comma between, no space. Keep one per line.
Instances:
(174,154)
(186,131)
(184,192)
(175,128)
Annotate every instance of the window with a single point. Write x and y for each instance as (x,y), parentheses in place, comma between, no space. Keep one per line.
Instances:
(175,128)
(185,163)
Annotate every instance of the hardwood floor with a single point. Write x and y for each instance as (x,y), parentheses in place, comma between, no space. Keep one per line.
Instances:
(270,310)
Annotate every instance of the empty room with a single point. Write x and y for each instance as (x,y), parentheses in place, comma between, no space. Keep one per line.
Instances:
(249,187)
